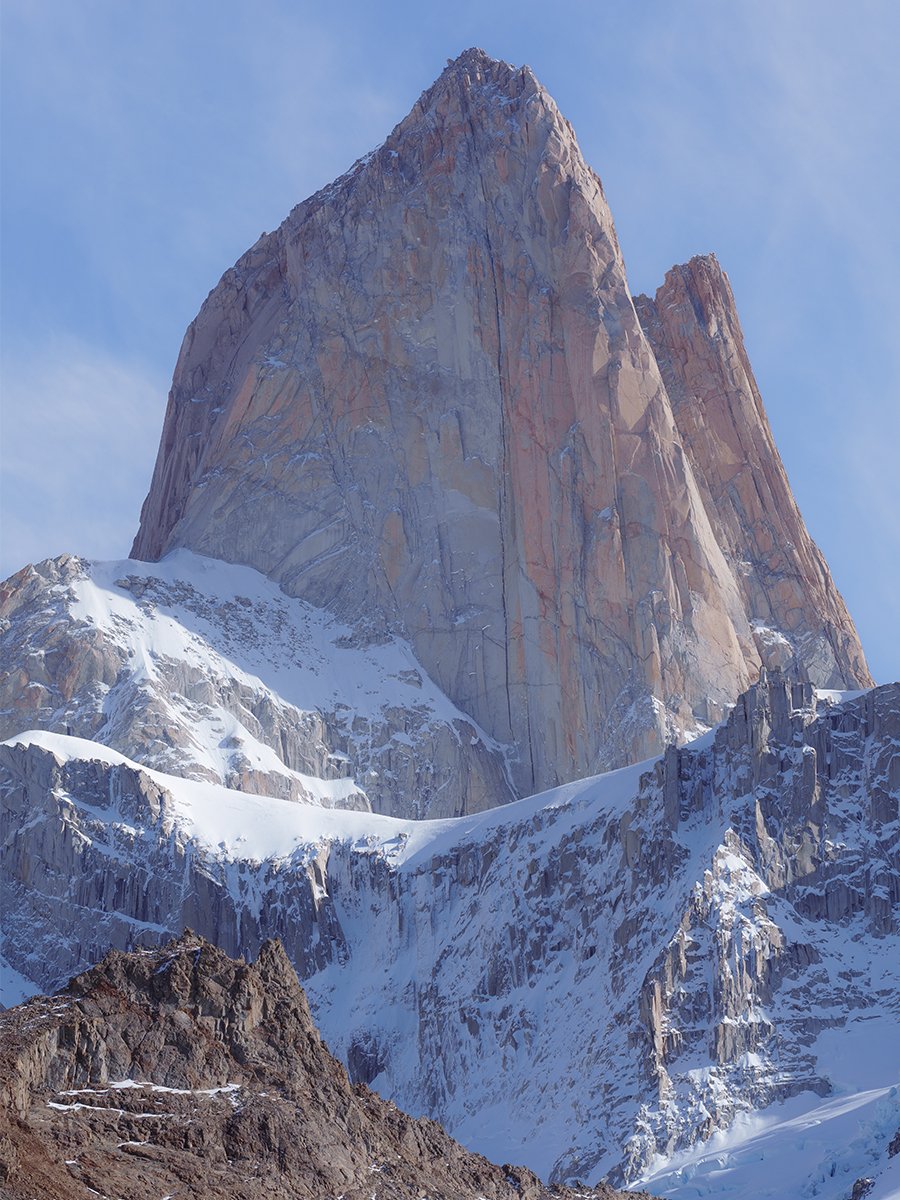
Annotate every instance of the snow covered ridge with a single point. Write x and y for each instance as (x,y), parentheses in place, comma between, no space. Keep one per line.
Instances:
(593,980)
(244,828)
(204,669)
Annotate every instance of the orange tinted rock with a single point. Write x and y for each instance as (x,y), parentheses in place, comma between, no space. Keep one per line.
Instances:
(446,334)
(787,588)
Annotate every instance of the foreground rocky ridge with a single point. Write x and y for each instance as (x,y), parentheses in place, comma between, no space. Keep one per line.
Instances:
(427,403)
(183,1072)
(624,965)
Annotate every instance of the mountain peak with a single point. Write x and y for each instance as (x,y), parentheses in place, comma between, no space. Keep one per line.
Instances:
(474,58)
(181,1070)
(476,82)
(475,67)
(411,406)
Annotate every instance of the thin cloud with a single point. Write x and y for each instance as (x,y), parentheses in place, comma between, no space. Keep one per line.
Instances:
(79,436)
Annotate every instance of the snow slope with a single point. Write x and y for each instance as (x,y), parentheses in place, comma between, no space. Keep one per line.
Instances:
(241,827)
(806,1146)
(591,981)
(205,669)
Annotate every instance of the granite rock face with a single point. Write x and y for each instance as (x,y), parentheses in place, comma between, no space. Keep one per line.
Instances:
(427,404)
(799,620)
(183,1072)
(625,965)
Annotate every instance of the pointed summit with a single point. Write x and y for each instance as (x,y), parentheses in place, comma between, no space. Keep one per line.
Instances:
(696,336)
(476,59)
(487,120)
(476,65)
(474,69)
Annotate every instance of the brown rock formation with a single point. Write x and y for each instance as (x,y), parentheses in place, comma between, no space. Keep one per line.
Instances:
(426,403)
(182,1072)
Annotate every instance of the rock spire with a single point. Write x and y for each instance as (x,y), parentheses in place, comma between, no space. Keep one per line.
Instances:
(427,403)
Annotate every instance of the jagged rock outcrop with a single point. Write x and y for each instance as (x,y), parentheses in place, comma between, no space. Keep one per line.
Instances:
(798,617)
(183,1072)
(625,964)
(210,672)
(426,403)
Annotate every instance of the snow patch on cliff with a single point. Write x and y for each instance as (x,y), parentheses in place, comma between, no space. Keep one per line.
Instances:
(201,668)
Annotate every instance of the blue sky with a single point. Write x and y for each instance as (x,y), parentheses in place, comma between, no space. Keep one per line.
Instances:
(146,145)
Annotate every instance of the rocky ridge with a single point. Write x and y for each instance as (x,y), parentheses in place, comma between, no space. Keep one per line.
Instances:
(427,403)
(183,1072)
(626,964)
(210,672)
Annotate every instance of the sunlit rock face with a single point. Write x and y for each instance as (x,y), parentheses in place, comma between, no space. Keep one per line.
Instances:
(427,404)
(799,620)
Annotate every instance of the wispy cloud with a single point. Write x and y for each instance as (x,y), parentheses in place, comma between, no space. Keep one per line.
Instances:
(148,146)
(79,437)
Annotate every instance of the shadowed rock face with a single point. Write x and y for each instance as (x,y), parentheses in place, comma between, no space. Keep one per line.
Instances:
(579,981)
(426,403)
(187,1072)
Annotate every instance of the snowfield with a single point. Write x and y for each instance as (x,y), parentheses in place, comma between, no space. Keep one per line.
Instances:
(241,827)
(683,974)
(806,1147)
